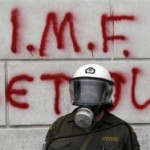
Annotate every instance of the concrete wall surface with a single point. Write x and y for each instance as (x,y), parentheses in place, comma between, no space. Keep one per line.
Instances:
(42,43)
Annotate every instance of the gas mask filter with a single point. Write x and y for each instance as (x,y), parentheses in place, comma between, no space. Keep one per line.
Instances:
(84,117)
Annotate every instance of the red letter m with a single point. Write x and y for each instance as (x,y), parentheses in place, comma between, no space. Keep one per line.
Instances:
(58,32)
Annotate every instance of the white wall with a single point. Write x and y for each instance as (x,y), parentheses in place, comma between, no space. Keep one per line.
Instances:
(30,55)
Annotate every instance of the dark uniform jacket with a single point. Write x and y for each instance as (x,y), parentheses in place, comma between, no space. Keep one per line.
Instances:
(110,133)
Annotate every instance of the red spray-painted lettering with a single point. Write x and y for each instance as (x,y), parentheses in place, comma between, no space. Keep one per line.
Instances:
(135,71)
(58,80)
(51,24)
(104,22)
(11,91)
(52,19)
(15,14)
(119,79)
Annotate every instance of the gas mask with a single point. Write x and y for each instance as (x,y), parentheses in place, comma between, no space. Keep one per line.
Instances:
(85,115)
(89,94)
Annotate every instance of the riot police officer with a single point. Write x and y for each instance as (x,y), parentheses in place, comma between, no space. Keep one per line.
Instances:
(90,126)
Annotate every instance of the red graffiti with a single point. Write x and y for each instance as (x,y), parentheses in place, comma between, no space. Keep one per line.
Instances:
(119,79)
(104,22)
(58,80)
(52,20)
(11,91)
(15,14)
(91,46)
(30,48)
(59,28)
(126,53)
(135,71)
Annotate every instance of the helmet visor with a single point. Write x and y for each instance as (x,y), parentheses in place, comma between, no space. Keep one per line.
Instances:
(86,91)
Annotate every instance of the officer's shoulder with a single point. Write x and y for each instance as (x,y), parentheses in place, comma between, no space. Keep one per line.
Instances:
(116,120)
(60,120)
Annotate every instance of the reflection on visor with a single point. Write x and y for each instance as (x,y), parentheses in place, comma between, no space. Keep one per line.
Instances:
(88,91)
